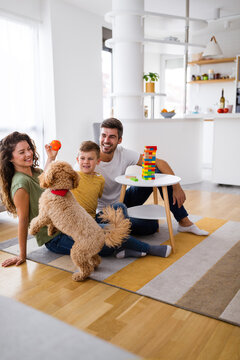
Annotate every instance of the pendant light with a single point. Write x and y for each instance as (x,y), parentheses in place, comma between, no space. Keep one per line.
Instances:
(212,49)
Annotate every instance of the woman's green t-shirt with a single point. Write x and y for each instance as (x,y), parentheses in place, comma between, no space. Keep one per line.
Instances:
(31,185)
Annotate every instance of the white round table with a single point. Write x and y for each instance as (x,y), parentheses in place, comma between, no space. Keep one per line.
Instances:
(150,211)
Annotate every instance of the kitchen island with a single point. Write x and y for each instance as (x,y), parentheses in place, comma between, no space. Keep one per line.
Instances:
(179,141)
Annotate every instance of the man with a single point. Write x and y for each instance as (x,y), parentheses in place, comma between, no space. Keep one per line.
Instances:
(114,161)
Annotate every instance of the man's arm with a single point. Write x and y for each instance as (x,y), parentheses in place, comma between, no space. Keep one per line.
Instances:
(178,193)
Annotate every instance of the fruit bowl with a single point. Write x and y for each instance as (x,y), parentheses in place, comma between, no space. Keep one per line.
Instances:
(168,115)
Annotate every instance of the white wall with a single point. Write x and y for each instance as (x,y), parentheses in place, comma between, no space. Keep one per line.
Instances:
(76,41)
(70,46)
(46,74)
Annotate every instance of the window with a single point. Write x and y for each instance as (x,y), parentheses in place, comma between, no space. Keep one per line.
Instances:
(19,74)
(107,74)
(174,85)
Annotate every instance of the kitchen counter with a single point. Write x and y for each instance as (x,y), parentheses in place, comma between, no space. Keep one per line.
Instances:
(180,143)
(213,116)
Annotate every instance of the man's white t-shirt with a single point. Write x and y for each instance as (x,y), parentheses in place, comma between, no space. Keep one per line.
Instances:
(122,158)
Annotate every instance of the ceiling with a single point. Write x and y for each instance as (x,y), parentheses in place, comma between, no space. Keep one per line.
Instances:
(203,9)
(161,28)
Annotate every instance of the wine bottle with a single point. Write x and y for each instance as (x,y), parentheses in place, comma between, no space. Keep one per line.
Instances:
(222,100)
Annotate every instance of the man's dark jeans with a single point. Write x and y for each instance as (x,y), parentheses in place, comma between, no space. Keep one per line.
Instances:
(137,196)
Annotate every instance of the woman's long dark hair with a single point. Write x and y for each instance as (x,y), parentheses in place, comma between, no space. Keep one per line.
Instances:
(7,146)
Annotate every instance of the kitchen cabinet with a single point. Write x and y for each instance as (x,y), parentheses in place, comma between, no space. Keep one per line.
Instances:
(226,149)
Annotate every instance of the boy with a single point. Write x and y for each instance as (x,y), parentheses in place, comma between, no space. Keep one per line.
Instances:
(91,184)
(90,188)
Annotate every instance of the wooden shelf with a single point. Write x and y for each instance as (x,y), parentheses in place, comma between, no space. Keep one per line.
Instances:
(212,61)
(210,81)
(141,94)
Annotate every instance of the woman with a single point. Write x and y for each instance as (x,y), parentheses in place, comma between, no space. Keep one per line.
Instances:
(20,192)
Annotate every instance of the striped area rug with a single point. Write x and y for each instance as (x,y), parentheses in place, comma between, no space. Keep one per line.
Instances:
(203,275)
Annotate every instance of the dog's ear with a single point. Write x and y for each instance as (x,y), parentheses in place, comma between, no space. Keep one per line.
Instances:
(45,179)
(42,180)
(75,179)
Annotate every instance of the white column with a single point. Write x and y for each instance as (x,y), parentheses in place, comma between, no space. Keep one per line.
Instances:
(127,58)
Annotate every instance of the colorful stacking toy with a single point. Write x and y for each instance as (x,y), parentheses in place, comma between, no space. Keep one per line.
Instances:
(149,163)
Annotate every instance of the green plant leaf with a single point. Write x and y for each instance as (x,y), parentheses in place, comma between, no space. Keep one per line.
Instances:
(151,77)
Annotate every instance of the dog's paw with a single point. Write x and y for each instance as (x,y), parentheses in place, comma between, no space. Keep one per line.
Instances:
(77,276)
(95,261)
(52,230)
(33,229)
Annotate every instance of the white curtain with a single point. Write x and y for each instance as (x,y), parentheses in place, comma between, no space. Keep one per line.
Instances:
(19,79)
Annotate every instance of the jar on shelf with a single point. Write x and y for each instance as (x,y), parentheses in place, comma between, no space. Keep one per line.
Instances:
(204,77)
(210,74)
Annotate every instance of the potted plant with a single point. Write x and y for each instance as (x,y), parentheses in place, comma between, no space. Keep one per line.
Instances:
(150,79)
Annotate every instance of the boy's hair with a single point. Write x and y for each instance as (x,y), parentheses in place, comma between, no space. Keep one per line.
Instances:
(87,146)
(113,123)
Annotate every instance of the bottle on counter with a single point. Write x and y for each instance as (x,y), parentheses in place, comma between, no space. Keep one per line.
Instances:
(146,111)
(222,100)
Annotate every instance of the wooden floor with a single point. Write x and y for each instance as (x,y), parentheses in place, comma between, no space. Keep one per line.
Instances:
(148,328)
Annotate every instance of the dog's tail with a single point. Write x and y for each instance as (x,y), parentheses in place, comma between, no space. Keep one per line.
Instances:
(118,227)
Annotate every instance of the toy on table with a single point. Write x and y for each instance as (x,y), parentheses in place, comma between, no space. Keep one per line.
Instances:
(55,145)
(149,163)
(132,177)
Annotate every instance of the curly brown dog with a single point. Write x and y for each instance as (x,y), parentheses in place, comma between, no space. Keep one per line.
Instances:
(65,214)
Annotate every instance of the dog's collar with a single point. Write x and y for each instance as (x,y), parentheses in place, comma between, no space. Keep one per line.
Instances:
(60,192)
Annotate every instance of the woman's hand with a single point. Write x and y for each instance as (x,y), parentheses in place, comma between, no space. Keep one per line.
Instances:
(18,260)
(51,154)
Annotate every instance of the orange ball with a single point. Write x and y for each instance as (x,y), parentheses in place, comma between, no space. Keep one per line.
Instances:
(55,145)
